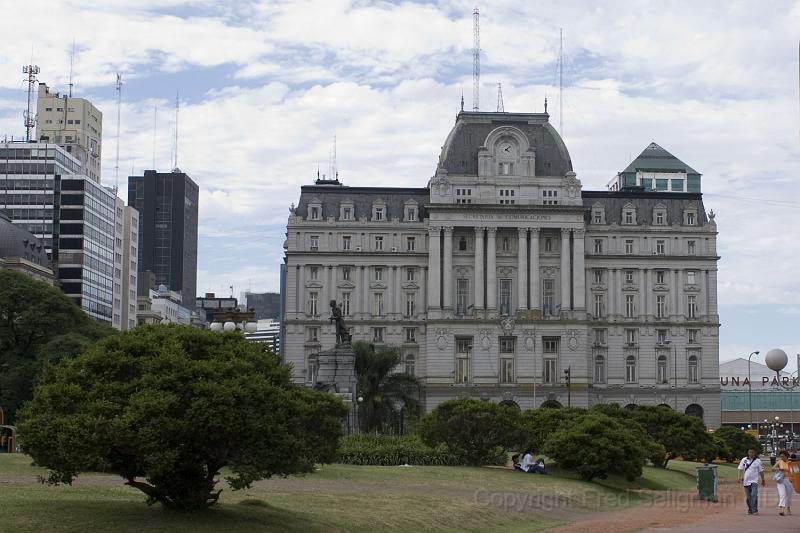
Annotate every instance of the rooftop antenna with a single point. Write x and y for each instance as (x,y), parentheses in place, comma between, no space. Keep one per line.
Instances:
(155,132)
(561,81)
(545,104)
(476,59)
(30,118)
(119,107)
(71,64)
(462,100)
(500,108)
(177,110)
(333,172)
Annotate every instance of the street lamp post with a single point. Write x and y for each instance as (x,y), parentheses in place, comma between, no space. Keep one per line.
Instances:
(750,389)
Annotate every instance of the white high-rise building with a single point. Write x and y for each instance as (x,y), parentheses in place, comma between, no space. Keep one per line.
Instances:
(503,279)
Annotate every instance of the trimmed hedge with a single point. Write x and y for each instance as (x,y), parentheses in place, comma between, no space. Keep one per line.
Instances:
(391,450)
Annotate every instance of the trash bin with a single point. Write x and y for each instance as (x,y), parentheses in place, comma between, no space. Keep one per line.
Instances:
(707,482)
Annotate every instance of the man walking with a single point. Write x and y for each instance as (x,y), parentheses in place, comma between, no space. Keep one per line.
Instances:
(750,468)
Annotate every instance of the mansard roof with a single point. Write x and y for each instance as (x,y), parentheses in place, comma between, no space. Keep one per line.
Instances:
(363,198)
(655,159)
(460,151)
(16,241)
(644,202)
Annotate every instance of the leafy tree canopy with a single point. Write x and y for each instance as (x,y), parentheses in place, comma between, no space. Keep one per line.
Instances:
(167,407)
(38,323)
(680,434)
(737,442)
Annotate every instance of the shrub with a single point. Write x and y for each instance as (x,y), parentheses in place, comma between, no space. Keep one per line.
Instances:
(595,445)
(737,441)
(389,450)
(680,434)
(476,430)
(535,425)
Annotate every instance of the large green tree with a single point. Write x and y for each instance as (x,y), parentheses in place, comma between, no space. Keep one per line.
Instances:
(382,388)
(737,441)
(168,407)
(38,324)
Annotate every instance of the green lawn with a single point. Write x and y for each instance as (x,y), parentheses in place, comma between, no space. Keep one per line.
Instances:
(336,498)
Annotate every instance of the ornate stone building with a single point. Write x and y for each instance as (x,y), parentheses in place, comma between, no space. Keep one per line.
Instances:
(503,279)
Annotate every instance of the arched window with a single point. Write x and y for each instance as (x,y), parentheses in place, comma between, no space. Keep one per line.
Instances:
(694,410)
(694,376)
(410,364)
(630,369)
(599,369)
(665,405)
(661,372)
(510,403)
(551,404)
(630,406)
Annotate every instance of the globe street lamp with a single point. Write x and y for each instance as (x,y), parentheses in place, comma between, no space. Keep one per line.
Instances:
(750,389)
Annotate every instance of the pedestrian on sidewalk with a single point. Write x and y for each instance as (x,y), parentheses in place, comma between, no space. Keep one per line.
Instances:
(750,468)
(780,473)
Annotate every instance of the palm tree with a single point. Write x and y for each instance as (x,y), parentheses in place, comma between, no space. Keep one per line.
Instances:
(382,391)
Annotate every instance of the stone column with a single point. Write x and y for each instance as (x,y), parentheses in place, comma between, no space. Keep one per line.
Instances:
(578,260)
(675,292)
(390,292)
(398,289)
(565,285)
(358,292)
(491,268)
(535,289)
(612,283)
(366,304)
(333,282)
(647,290)
(479,303)
(301,289)
(522,269)
(423,290)
(434,267)
(447,268)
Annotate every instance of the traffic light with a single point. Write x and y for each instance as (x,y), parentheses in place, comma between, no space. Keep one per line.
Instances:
(567,372)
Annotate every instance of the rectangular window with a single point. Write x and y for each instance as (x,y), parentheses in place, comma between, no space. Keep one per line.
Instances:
(377,334)
(550,345)
(463,196)
(462,289)
(549,197)
(677,185)
(410,304)
(660,247)
(598,275)
(550,373)
(378,213)
(660,276)
(346,273)
(629,276)
(505,297)
(378,273)
(377,304)
(691,277)
(315,213)
(661,306)
(313,334)
(660,218)
(463,356)
(599,305)
(411,334)
(661,369)
(630,369)
(314,243)
(598,217)
(346,303)
(313,273)
(411,214)
(548,296)
(598,246)
(346,241)
(347,213)
(599,369)
(600,337)
(548,244)
(378,243)
(692,335)
(662,184)
(630,309)
(691,306)
(694,374)
(629,217)
(629,246)
(630,337)
(410,274)
(411,244)
(313,301)
(507,370)
(690,248)
(661,336)
(690,219)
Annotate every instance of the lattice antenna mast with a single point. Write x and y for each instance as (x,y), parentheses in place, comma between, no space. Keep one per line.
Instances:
(119,114)
(30,118)
(155,132)
(71,65)
(476,59)
(500,108)
(561,81)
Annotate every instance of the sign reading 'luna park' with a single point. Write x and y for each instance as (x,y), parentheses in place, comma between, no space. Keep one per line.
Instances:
(763,381)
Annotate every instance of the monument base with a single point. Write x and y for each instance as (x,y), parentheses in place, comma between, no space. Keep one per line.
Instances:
(336,374)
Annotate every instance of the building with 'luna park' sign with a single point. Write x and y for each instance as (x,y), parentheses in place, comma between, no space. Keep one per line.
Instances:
(501,278)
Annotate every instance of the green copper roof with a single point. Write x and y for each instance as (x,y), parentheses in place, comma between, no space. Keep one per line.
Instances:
(655,158)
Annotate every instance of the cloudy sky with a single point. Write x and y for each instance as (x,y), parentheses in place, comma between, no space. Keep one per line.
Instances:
(266,85)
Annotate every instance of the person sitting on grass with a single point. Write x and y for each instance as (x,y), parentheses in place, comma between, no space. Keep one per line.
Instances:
(515,462)
(538,467)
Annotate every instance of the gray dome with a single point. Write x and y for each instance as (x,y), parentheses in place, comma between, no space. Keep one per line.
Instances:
(16,241)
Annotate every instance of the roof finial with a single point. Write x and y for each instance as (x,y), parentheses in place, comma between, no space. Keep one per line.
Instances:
(545,104)
(462,100)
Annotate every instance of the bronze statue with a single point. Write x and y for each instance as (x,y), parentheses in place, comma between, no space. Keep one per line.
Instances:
(342,335)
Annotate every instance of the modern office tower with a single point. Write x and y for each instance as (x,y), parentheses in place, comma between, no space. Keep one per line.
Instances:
(503,279)
(22,251)
(74,124)
(44,190)
(167,203)
(126,260)
(267,305)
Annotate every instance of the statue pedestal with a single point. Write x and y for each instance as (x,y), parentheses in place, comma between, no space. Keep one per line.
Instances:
(337,374)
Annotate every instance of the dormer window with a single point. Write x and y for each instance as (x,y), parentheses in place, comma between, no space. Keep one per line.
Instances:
(660,215)
(313,213)
(346,211)
(411,214)
(690,218)
(598,214)
(629,215)
(410,211)
(378,211)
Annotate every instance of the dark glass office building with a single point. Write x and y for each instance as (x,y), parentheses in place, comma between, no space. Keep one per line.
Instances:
(167,204)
